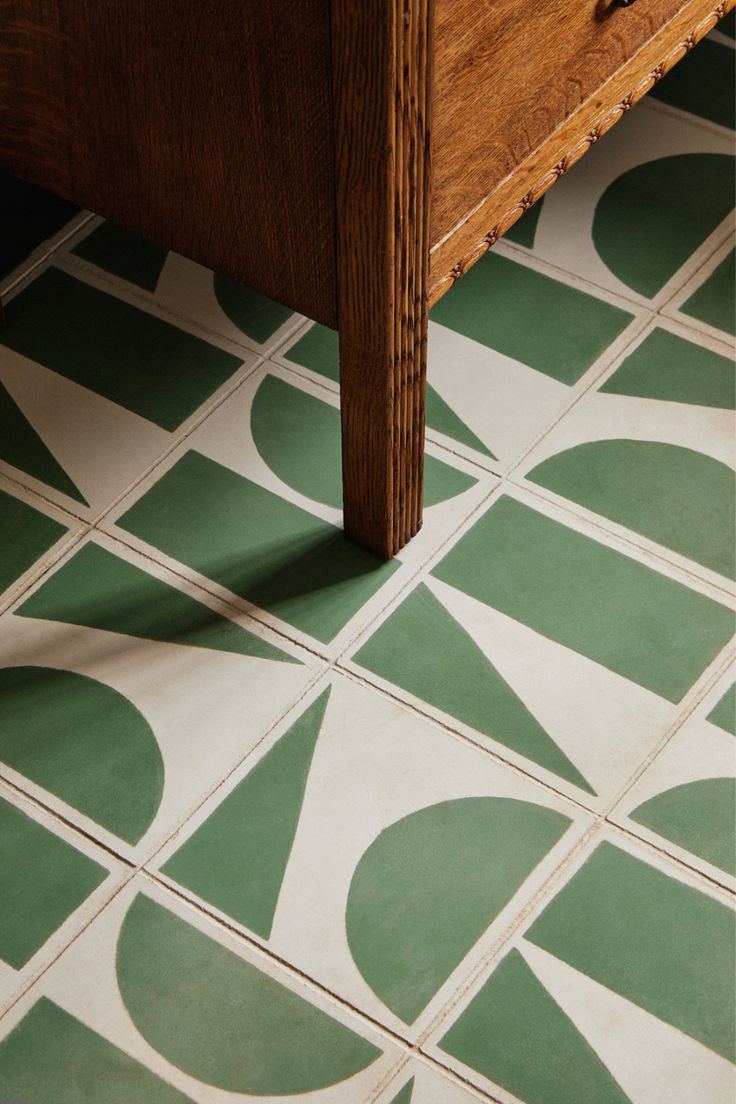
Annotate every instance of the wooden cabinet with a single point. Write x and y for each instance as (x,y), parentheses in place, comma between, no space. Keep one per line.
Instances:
(350,158)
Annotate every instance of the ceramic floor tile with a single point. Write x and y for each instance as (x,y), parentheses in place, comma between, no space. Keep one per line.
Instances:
(559,652)
(651,449)
(625,219)
(54,881)
(94,389)
(156,998)
(372,851)
(699,83)
(685,801)
(618,989)
(494,382)
(417,1083)
(185,689)
(31,222)
(262,475)
(34,534)
(707,302)
(181,288)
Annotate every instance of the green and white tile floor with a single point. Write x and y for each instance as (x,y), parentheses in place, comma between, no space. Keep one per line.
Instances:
(281,822)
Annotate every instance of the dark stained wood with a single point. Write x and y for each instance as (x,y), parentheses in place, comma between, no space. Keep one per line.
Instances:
(381,65)
(205,125)
(477,228)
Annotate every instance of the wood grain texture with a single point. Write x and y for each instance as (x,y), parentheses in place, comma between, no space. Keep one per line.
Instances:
(381,65)
(205,125)
(480,227)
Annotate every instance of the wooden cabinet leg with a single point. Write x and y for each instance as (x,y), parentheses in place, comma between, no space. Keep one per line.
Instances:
(380,65)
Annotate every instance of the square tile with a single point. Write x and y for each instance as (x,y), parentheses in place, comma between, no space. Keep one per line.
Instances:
(617,988)
(249,506)
(128,695)
(156,1000)
(372,851)
(563,654)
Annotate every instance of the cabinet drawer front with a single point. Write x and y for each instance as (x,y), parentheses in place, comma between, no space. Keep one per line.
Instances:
(507,74)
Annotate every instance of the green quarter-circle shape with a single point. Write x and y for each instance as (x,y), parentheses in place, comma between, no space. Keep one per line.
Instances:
(84,742)
(698,816)
(220,1019)
(431,883)
(653,217)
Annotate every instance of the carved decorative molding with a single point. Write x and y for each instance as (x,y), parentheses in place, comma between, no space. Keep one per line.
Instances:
(603,124)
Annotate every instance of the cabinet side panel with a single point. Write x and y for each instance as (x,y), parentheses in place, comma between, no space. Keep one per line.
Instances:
(205,125)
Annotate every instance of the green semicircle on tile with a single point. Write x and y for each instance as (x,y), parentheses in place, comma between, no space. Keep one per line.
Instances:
(84,742)
(723,713)
(220,1019)
(431,883)
(699,816)
(257,316)
(647,223)
(237,858)
(22,447)
(452,673)
(99,590)
(675,496)
(514,1033)
(298,436)
(50,1057)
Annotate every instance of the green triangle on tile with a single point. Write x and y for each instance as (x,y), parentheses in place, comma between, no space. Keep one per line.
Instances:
(405,1094)
(237,858)
(52,1058)
(125,254)
(724,713)
(254,314)
(651,938)
(100,590)
(27,534)
(699,816)
(22,447)
(514,1033)
(430,884)
(667,367)
(713,302)
(442,418)
(267,1040)
(452,673)
(44,880)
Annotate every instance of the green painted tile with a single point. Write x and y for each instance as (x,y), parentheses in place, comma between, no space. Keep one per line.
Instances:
(645,238)
(98,589)
(657,942)
(524,229)
(724,713)
(429,886)
(299,437)
(237,858)
(405,1094)
(220,1019)
(318,350)
(544,323)
(699,816)
(515,1034)
(675,496)
(52,1058)
(27,534)
(700,82)
(672,369)
(123,353)
(620,613)
(451,672)
(28,217)
(258,545)
(124,254)
(713,302)
(22,447)
(254,314)
(84,742)
(44,880)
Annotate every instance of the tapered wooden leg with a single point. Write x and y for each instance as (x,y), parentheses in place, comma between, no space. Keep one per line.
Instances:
(382,86)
